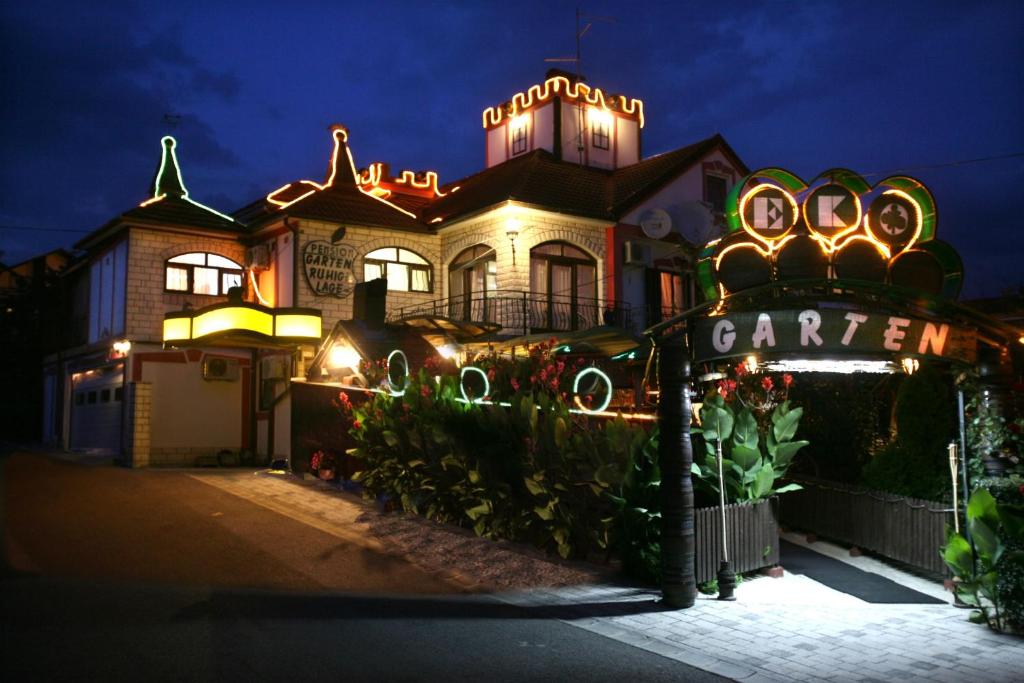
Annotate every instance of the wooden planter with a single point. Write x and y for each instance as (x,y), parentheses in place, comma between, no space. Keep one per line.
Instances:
(753,538)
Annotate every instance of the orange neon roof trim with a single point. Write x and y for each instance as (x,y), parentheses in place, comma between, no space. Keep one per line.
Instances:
(371,179)
(521,101)
(339,135)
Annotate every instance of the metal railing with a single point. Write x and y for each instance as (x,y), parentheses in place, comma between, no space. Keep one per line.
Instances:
(522,312)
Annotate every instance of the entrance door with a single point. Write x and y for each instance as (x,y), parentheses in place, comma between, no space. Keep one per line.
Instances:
(563,288)
(96,410)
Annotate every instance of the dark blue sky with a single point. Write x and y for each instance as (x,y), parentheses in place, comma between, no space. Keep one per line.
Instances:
(873,86)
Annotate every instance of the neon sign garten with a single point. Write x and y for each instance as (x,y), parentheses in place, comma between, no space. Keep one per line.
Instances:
(829,332)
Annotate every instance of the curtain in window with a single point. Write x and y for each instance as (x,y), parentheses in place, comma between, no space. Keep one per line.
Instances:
(420,281)
(177,279)
(538,293)
(586,297)
(204,280)
(398,277)
(372,271)
(561,296)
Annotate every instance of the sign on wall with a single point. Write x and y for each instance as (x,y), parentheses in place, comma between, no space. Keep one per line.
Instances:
(829,332)
(329,268)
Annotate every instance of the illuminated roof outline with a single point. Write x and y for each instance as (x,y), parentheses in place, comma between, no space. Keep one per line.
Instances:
(168,181)
(561,85)
(339,134)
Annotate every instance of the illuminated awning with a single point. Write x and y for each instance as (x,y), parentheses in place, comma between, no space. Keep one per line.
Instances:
(242,324)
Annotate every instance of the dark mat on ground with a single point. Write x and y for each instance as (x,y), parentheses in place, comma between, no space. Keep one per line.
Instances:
(848,579)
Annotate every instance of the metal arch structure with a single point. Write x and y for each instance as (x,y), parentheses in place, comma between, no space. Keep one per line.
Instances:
(672,346)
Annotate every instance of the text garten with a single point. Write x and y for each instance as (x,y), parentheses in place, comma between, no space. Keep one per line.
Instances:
(891,335)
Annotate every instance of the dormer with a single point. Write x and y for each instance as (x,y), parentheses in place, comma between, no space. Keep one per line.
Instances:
(570,119)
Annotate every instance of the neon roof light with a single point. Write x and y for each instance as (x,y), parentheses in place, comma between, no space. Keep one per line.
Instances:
(492,116)
(168,180)
(340,136)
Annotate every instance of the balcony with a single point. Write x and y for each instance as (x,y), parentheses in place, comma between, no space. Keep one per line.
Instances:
(512,313)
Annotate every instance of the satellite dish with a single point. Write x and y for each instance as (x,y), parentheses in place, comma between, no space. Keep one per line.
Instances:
(656,223)
(695,221)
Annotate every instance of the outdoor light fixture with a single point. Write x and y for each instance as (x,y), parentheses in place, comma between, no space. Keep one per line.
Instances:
(343,356)
(122,347)
(910,365)
(512,228)
(843,367)
(751,363)
(447,351)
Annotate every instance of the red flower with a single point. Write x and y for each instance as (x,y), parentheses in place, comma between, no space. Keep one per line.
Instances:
(515,384)
(424,391)
(356,424)
(741,369)
(767,383)
(787,379)
(490,375)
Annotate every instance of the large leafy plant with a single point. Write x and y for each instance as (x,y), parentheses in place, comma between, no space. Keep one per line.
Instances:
(753,420)
(527,470)
(997,532)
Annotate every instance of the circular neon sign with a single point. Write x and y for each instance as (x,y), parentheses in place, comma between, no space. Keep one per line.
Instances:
(601,377)
(462,384)
(391,383)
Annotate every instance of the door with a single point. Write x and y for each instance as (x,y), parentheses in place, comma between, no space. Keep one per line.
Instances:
(97,400)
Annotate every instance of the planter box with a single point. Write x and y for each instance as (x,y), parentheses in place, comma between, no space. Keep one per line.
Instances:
(904,529)
(752,533)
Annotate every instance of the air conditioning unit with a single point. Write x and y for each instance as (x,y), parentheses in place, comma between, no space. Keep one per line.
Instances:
(636,254)
(257,257)
(225,369)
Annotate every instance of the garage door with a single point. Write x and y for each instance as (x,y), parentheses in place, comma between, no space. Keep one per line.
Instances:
(96,409)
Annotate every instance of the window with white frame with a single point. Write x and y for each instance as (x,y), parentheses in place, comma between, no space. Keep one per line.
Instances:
(518,134)
(201,273)
(600,128)
(405,271)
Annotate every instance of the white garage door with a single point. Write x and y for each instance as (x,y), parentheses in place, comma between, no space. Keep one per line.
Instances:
(96,409)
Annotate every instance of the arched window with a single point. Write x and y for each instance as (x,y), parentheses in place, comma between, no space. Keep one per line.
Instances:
(201,273)
(472,280)
(563,286)
(406,271)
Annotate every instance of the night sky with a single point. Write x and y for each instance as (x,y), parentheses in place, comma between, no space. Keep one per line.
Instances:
(877,87)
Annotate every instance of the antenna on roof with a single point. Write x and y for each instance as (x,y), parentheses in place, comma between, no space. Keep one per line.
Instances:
(578,60)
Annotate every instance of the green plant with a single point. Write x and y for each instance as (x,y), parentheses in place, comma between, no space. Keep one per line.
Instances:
(916,462)
(636,529)
(755,455)
(997,532)
(518,467)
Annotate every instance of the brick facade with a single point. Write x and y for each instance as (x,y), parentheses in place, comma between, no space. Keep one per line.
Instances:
(147,302)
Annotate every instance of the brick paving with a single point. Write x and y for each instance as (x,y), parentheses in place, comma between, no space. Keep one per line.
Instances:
(788,629)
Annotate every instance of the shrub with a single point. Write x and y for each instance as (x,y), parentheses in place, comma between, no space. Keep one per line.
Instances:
(525,470)
(916,462)
(989,571)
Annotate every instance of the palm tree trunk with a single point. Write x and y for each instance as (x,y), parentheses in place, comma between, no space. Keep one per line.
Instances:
(675,455)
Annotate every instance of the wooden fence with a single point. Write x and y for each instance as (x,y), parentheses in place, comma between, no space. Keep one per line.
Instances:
(904,529)
(753,538)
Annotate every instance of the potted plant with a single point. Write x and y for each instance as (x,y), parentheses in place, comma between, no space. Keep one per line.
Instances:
(324,464)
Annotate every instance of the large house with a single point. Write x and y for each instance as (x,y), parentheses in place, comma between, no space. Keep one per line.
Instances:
(567,227)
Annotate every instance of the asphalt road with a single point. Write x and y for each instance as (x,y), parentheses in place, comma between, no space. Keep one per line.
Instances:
(149,575)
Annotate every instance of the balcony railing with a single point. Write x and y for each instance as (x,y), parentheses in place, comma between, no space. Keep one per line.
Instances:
(521,312)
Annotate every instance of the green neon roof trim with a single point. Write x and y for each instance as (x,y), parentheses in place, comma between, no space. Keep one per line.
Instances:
(732,200)
(847,178)
(168,178)
(921,195)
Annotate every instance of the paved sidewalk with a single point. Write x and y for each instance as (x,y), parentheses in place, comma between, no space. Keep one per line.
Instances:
(785,629)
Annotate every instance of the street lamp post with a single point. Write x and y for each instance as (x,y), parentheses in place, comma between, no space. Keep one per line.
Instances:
(726,577)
